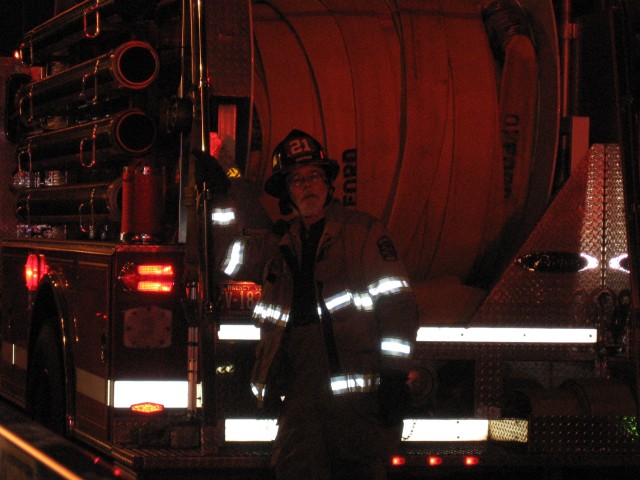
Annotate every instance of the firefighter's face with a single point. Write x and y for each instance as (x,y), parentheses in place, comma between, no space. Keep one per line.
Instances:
(309,188)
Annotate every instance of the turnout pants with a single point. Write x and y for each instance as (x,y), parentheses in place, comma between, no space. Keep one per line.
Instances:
(322,436)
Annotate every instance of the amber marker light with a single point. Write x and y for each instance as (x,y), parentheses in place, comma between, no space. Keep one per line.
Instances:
(147,408)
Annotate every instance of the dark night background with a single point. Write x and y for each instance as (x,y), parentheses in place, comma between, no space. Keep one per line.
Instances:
(19,16)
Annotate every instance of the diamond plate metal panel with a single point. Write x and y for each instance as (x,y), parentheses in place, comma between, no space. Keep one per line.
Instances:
(615,275)
(568,255)
(229,61)
(489,385)
(597,435)
(547,374)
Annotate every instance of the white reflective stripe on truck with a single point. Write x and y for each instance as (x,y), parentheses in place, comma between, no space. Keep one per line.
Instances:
(414,430)
(507,335)
(15,355)
(125,393)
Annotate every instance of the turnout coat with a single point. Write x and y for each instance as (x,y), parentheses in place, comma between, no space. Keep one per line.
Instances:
(367,308)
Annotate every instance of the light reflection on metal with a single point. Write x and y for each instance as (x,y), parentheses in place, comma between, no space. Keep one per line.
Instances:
(592,262)
(508,335)
(557,262)
(226,369)
(38,455)
(620,262)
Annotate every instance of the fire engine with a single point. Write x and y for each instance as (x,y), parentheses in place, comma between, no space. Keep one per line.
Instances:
(497,140)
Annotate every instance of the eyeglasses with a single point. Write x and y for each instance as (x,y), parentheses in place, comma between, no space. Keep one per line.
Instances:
(298,180)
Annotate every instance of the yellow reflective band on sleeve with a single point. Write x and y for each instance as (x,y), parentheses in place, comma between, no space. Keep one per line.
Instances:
(235,258)
(223,216)
(258,390)
(395,347)
(354,383)
(363,301)
(271,313)
(388,285)
(338,301)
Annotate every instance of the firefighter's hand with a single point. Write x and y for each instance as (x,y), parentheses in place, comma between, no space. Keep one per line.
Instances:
(209,171)
(394,398)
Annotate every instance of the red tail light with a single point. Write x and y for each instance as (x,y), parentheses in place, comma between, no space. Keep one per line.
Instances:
(149,278)
(34,269)
(471,461)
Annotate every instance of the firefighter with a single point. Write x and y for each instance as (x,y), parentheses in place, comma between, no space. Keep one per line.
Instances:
(338,323)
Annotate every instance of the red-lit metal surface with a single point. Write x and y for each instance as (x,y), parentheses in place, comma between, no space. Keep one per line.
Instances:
(587,217)
(415,127)
(143,201)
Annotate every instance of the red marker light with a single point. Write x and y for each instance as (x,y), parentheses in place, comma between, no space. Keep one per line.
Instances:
(397,460)
(151,278)
(434,461)
(34,270)
(471,461)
